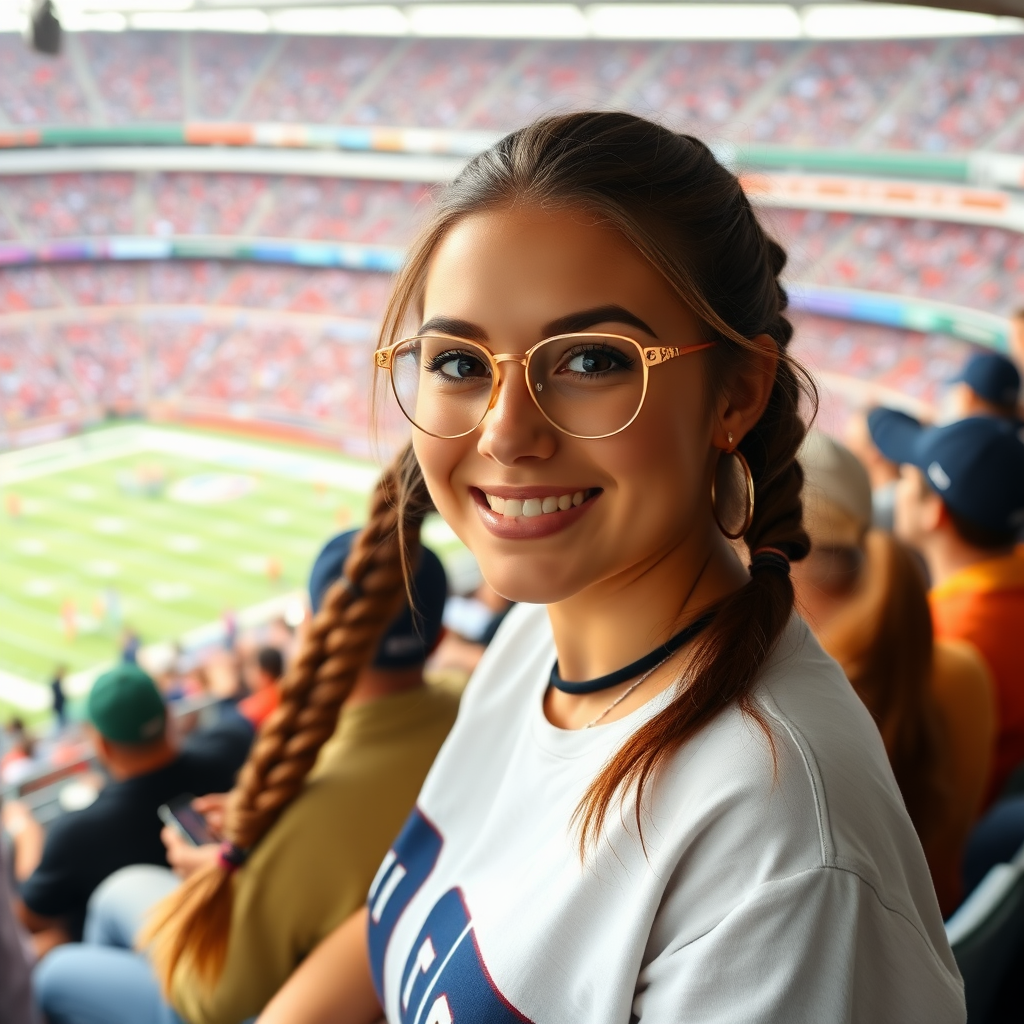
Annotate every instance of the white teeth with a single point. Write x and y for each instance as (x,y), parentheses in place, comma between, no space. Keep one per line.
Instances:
(530,507)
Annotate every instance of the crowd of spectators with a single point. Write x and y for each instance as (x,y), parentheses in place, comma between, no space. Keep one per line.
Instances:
(64,205)
(138,75)
(838,89)
(962,100)
(935,96)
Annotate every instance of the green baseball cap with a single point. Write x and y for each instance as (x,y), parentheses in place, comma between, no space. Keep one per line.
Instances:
(125,706)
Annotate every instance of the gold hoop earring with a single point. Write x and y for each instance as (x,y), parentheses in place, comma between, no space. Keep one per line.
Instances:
(733,492)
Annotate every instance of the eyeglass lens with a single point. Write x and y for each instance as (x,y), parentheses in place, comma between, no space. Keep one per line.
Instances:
(588,385)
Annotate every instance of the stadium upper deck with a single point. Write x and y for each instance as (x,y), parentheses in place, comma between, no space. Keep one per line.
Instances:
(933,95)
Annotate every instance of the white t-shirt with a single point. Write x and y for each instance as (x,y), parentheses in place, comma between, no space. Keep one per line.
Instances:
(785,894)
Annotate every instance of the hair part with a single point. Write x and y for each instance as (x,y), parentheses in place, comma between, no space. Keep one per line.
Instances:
(689,217)
(191,928)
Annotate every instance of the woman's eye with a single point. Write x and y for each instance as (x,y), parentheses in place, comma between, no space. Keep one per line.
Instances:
(593,361)
(458,365)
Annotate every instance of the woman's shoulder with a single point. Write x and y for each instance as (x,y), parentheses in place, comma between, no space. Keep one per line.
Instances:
(830,755)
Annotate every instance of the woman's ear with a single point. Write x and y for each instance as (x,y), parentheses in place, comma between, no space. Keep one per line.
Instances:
(745,396)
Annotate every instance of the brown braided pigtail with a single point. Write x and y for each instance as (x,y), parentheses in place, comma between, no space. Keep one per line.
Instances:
(191,927)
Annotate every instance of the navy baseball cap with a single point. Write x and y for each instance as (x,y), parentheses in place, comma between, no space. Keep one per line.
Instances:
(975,465)
(408,640)
(992,377)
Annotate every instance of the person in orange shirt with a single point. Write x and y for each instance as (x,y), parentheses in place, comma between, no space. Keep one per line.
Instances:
(263,679)
(960,502)
(864,595)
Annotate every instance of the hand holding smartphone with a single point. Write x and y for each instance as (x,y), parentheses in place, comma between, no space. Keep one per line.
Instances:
(180,815)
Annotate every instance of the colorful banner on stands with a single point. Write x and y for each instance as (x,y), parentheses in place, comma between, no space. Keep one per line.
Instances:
(904,312)
(347,256)
(900,311)
(982,168)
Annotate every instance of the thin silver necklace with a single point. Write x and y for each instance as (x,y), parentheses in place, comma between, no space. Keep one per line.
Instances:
(650,672)
(622,696)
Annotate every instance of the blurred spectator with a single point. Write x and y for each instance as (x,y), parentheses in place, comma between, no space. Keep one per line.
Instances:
(988,385)
(129,732)
(59,697)
(263,679)
(1017,336)
(883,475)
(470,624)
(960,502)
(309,872)
(15,957)
(995,840)
(864,596)
(130,644)
(19,759)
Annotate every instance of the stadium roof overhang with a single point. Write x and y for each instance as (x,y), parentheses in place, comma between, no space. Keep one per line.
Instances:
(554,19)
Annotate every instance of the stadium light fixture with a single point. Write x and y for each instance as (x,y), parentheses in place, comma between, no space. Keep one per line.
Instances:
(694,21)
(121,6)
(499,20)
(237,20)
(368,20)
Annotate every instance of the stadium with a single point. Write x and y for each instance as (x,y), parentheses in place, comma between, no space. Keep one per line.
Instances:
(203,206)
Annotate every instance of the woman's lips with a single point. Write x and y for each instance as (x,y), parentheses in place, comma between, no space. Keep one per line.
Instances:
(529,520)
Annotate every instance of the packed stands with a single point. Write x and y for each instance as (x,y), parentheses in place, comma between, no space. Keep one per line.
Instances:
(961,101)
(62,205)
(140,77)
(830,95)
(33,385)
(320,79)
(948,96)
(205,204)
(701,85)
(35,91)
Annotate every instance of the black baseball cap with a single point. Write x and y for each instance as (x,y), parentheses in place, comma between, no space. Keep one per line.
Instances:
(409,639)
(975,465)
(992,377)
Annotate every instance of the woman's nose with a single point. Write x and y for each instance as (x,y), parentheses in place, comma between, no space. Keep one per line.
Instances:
(514,428)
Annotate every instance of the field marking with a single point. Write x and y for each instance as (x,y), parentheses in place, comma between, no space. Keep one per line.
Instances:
(52,458)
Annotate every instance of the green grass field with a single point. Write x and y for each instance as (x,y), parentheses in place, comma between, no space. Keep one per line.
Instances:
(235,524)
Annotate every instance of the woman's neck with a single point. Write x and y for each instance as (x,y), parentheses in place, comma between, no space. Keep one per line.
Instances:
(620,619)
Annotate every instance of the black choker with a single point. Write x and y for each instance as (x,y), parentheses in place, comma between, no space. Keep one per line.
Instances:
(635,668)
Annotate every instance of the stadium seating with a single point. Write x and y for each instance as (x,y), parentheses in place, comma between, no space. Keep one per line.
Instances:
(987,934)
(939,96)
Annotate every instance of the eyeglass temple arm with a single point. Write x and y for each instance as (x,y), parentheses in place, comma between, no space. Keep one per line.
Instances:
(383,356)
(663,353)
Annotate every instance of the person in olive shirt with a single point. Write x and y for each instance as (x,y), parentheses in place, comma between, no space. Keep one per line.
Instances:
(313,867)
(128,723)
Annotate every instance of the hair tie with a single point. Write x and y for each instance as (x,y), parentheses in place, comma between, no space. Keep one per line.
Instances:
(231,857)
(770,558)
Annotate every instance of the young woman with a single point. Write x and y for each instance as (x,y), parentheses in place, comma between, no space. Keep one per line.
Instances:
(660,801)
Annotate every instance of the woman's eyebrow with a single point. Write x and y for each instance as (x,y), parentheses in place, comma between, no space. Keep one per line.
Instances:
(455,327)
(574,322)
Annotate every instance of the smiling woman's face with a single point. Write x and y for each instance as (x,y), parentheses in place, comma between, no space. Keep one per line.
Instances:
(509,279)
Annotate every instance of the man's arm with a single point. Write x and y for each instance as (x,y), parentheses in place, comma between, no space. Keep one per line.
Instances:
(28,838)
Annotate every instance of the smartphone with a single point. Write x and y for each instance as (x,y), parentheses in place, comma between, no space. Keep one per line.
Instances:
(181,815)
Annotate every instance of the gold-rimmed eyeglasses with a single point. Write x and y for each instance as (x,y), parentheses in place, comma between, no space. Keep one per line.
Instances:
(587,385)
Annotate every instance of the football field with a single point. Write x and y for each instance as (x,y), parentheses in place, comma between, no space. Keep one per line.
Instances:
(158,529)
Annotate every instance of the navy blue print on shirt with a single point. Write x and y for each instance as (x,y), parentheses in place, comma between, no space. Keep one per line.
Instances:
(404,869)
(445,980)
